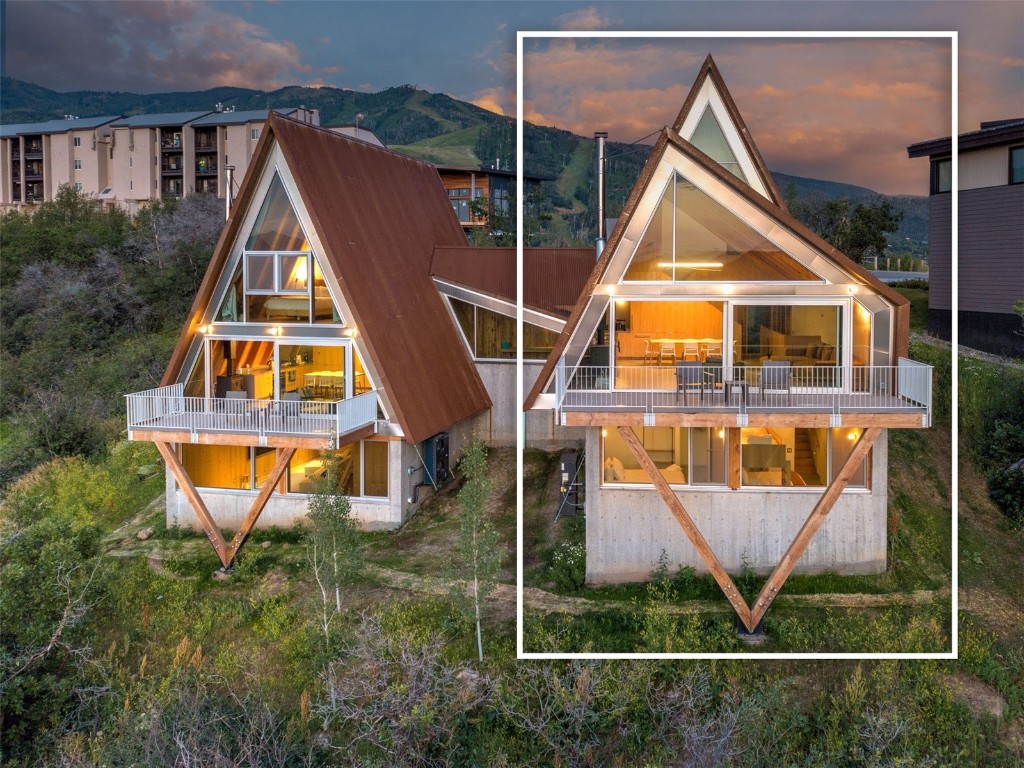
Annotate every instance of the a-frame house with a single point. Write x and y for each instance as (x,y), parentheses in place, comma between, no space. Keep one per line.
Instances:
(735,375)
(317,328)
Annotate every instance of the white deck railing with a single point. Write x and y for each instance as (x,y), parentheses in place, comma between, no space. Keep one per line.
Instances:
(167,409)
(747,388)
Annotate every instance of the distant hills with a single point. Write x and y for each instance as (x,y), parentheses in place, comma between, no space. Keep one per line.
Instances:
(443,130)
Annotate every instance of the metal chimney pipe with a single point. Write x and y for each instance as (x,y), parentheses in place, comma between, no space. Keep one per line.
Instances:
(600,137)
(229,179)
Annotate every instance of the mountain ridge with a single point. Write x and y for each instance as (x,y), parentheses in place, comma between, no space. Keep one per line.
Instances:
(443,130)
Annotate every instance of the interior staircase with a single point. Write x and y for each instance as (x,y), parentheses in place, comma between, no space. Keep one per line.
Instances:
(803,460)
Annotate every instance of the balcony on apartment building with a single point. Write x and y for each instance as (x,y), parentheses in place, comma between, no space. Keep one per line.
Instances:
(172,165)
(206,165)
(165,414)
(897,395)
(34,171)
(206,140)
(172,189)
(34,149)
(170,142)
(34,193)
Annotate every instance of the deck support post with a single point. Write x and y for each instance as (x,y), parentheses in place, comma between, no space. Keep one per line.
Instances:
(225,552)
(195,501)
(689,527)
(810,527)
(751,617)
(257,506)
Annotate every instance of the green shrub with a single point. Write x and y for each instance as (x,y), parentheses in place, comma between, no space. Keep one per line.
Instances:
(1006,488)
(569,566)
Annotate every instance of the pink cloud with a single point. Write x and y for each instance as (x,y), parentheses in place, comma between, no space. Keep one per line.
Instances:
(583,19)
(146,46)
(843,110)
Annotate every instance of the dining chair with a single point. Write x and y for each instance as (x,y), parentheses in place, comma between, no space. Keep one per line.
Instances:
(691,350)
(666,351)
(690,378)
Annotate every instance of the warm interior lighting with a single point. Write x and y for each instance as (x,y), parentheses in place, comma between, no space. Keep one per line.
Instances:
(690,264)
(721,433)
(352,333)
(277,330)
(301,273)
(620,302)
(304,246)
(852,435)
(205,328)
(604,433)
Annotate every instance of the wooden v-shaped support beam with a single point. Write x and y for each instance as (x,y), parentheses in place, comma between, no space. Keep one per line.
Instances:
(752,617)
(689,527)
(226,552)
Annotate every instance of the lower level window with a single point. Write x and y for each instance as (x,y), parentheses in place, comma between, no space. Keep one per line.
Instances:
(358,470)
(796,457)
(683,456)
(361,469)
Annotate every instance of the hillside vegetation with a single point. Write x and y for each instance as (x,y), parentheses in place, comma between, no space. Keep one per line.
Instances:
(119,647)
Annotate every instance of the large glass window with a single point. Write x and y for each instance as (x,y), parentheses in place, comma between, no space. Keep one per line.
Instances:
(683,456)
(492,336)
(805,335)
(357,470)
(796,457)
(277,263)
(313,371)
(665,332)
(221,466)
(843,441)
(692,237)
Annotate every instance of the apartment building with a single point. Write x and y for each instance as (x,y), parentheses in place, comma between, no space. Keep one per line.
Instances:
(130,161)
(37,158)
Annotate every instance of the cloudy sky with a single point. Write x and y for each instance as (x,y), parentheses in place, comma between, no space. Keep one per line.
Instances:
(815,107)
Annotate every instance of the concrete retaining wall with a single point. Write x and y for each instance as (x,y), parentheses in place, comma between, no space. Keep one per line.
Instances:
(627,529)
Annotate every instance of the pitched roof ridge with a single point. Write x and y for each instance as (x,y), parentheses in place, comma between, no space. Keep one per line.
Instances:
(278,117)
(709,69)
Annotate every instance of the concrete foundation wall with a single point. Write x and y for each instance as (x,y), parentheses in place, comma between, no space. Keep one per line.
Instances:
(626,529)
(498,426)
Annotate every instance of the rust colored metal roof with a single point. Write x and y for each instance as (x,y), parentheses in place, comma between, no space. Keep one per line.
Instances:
(710,70)
(379,215)
(783,216)
(552,277)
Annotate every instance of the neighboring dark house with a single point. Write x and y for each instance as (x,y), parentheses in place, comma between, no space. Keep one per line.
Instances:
(496,186)
(991,235)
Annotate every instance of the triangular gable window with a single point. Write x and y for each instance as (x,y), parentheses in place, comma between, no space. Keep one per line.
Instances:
(692,237)
(277,227)
(709,139)
(282,281)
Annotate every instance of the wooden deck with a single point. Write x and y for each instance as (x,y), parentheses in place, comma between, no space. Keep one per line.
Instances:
(165,415)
